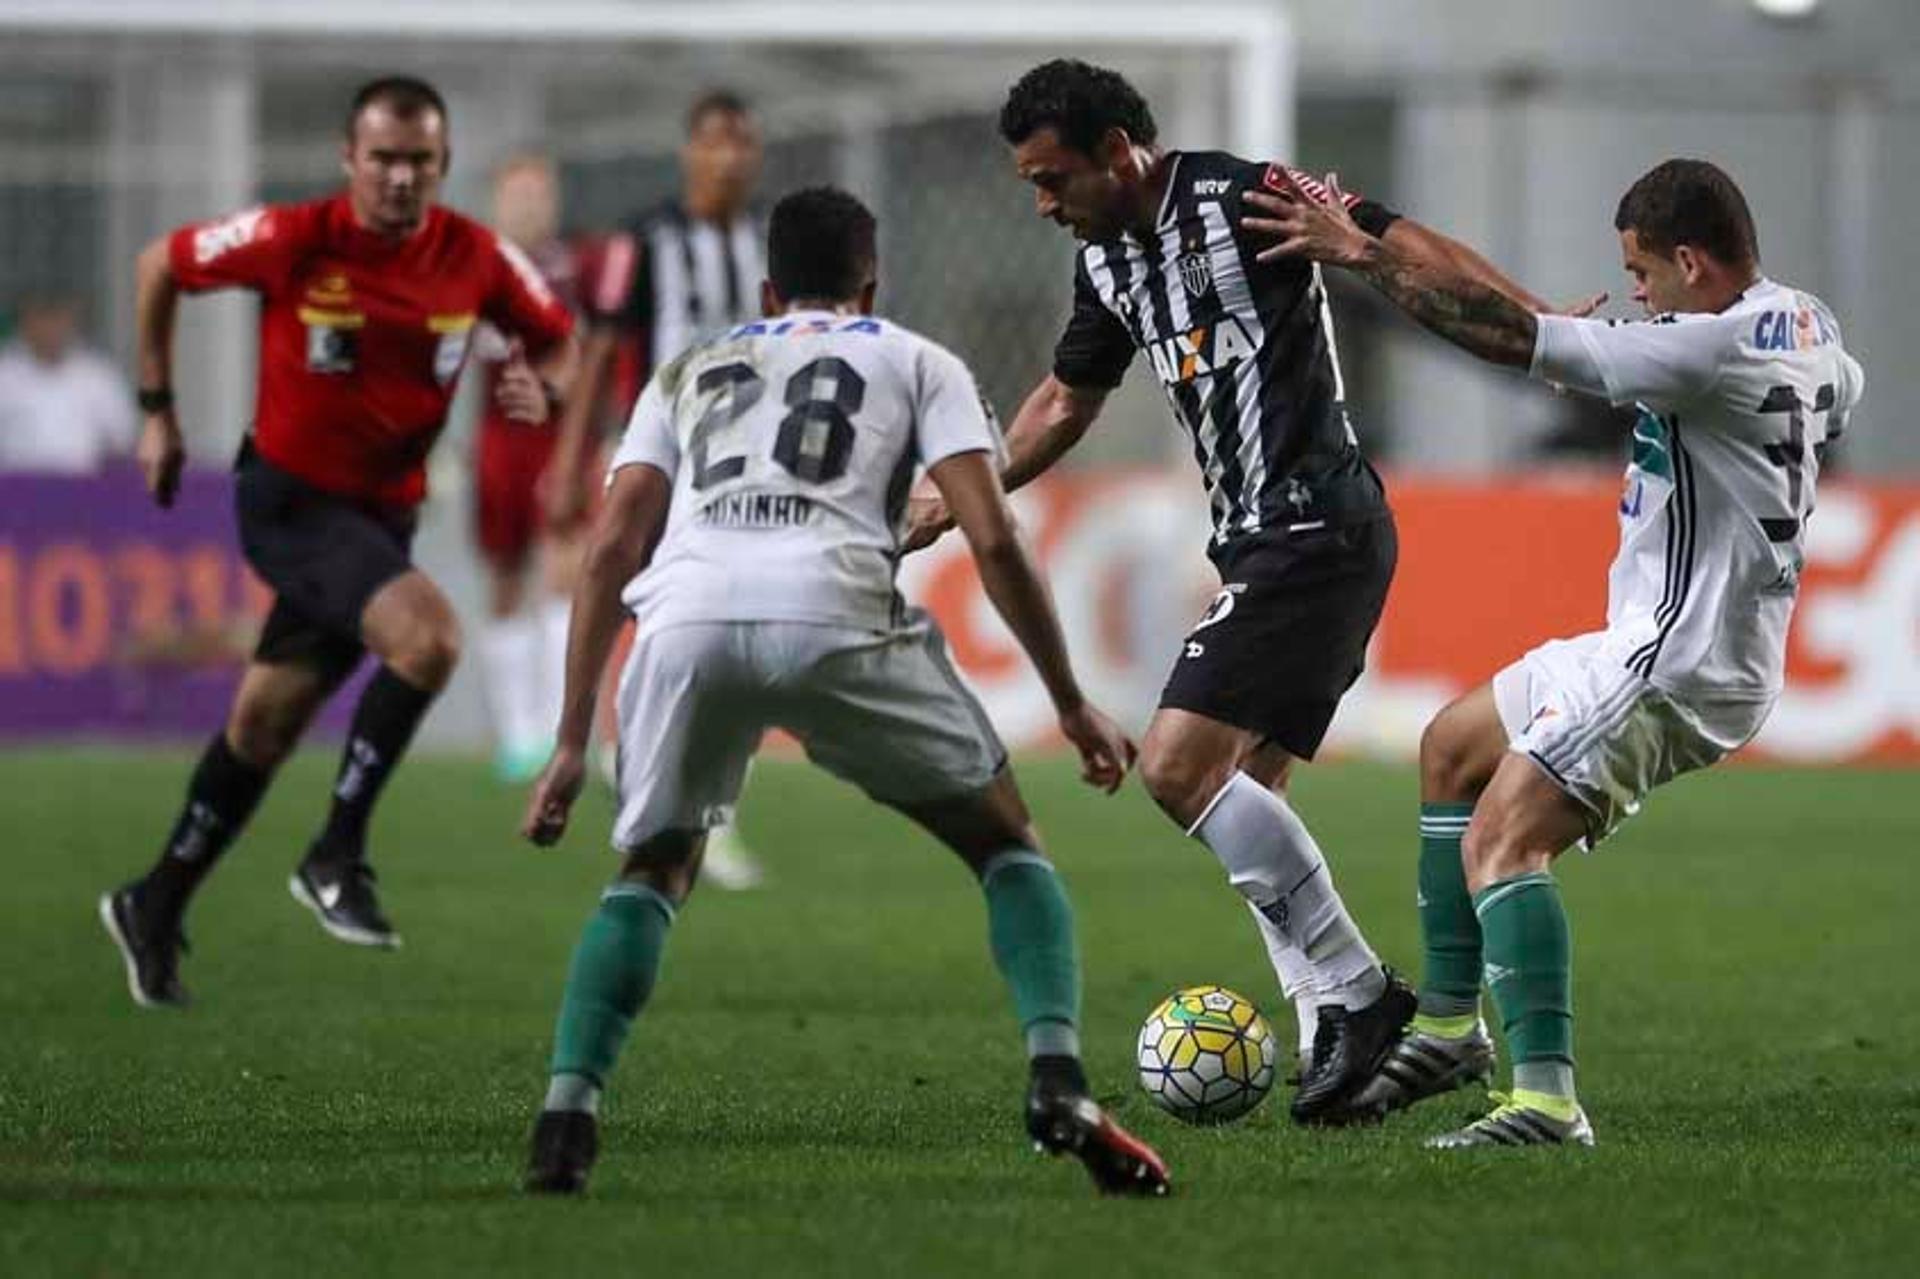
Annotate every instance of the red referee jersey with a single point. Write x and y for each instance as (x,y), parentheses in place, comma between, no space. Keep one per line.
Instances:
(362,337)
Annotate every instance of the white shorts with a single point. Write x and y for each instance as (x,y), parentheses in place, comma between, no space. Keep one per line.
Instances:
(1605,734)
(884,710)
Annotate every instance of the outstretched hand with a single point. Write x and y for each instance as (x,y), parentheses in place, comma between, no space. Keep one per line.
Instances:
(1584,307)
(927,517)
(553,797)
(1302,225)
(1106,753)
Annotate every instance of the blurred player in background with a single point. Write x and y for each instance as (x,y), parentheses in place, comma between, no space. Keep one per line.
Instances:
(1741,383)
(1303,538)
(674,275)
(523,645)
(369,300)
(753,521)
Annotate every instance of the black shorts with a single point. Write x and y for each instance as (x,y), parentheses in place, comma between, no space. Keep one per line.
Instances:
(324,557)
(1287,634)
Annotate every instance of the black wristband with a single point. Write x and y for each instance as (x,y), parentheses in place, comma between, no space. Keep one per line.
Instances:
(155,399)
(555,401)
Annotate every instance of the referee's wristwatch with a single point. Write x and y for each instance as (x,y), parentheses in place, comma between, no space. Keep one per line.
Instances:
(154,399)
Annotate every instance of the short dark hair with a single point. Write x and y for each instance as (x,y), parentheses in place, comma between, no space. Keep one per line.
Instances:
(715,101)
(1690,202)
(404,95)
(820,244)
(1080,101)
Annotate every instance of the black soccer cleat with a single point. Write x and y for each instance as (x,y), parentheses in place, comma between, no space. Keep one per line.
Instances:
(150,947)
(1348,1047)
(1064,1120)
(1422,1066)
(342,898)
(565,1143)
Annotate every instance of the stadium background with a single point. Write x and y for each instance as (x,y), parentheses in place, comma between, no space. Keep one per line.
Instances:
(825,1081)
(1514,127)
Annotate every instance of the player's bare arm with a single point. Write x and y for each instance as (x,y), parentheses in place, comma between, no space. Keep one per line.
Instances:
(1051,421)
(563,485)
(1421,242)
(161,452)
(1019,594)
(1436,291)
(623,539)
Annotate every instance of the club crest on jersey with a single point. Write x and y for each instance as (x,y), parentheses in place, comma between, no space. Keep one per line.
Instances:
(333,340)
(1211,348)
(1196,272)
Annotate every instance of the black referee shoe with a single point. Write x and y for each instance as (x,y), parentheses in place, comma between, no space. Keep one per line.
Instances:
(1348,1047)
(341,897)
(565,1144)
(150,948)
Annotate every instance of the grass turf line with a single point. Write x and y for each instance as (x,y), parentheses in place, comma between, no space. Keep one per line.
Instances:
(828,1079)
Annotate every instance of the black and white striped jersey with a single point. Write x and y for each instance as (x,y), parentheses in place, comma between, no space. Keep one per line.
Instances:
(1244,350)
(672,281)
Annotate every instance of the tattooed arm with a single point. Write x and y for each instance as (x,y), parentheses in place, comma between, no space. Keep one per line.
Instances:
(1437,290)
(1460,309)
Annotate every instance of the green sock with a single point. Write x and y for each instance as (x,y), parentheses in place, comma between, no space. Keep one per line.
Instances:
(1030,926)
(612,974)
(1529,972)
(1450,983)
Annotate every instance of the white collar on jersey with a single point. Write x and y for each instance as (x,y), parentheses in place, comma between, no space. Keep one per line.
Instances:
(1166,197)
(1167,202)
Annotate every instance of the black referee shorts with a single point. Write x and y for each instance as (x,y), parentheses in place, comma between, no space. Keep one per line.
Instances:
(324,557)
(1287,634)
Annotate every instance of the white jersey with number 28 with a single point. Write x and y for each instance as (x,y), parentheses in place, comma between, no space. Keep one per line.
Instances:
(792,443)
(1737,407)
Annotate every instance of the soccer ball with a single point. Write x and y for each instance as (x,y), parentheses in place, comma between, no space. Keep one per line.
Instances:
(1206,1055)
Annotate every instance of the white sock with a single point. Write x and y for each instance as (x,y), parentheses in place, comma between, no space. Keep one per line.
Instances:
(572,1092)
(555,613)
(509,664)
(1297,978)
(1272,860)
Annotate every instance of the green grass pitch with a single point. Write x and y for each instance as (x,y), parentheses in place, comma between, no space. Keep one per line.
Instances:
(828,1079)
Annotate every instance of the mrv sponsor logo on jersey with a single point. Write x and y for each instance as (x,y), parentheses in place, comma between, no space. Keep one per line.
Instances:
(1210,348)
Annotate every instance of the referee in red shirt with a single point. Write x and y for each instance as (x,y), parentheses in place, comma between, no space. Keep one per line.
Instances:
(369,300)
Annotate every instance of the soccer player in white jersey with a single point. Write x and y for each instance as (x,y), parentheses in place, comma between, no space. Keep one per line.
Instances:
(1741,382)
(752,521)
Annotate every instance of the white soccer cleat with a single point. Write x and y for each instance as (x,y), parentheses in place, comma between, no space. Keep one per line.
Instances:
(1514,1124)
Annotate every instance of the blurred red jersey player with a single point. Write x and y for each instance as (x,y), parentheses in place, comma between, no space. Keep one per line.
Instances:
(369,302)
(529,560)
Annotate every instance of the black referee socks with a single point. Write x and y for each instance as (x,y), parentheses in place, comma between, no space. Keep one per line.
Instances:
(222,795)
(383,723)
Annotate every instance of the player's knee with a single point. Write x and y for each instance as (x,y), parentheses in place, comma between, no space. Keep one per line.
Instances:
(667,863)
(263,734)
(1453,763)
(430,654)
(1181,783)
